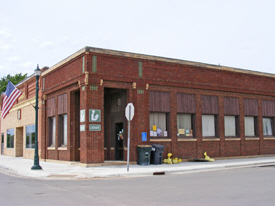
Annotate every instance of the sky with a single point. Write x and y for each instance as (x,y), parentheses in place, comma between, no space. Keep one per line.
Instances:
(234,33)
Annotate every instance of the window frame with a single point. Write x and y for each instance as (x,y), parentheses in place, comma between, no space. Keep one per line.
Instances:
(61,130)
(272,126)
(11,145)
(216,127)
(193,117)
(255,119)
(236,126)
(52,131)
(167,117)
(27,137)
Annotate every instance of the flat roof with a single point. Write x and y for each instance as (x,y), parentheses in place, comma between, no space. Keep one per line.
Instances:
(153,58)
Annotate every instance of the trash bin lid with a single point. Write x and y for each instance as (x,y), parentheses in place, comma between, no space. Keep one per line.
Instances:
(157,146)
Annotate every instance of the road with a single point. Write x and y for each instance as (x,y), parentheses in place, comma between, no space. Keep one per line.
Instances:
(243,186)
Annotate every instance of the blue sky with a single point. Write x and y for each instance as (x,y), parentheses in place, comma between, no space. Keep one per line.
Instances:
(236,33)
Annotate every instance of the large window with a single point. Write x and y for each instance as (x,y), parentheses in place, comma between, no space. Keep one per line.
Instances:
(30,136)
(52,131)
(267,126)
(158,124)
(208,125)
(249,124)
(10,138)
(159,113)
(185,125)
(63,129)
(230,129)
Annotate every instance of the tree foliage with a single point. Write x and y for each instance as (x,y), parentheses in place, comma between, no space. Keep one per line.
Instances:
(14,79)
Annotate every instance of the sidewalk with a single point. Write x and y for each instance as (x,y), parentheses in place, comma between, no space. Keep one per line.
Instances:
(51,170)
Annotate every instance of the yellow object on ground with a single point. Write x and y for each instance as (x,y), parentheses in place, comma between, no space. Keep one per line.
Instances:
(208,158)
(171,161)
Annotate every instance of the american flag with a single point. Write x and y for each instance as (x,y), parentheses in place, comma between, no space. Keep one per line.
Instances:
(11,95)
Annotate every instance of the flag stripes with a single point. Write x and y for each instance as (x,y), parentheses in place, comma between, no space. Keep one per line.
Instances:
(11,95)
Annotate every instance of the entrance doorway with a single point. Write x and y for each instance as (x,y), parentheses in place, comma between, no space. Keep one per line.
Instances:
(115,101)
(119,141)
(18,142)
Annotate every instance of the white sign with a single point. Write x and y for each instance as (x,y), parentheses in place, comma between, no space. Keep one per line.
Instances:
(82,128)
(94,115)
(82,115)
(129,110)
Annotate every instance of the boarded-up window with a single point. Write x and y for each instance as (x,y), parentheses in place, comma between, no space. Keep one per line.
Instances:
(62,104)
(51,107)
(159,101)
(268,108)
(250,107)
(210,104)
(231,106)
(186,103)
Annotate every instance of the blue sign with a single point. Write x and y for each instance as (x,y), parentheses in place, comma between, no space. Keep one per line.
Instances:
(144,136)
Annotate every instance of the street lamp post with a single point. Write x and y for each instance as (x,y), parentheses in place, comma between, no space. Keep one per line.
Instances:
(36,165)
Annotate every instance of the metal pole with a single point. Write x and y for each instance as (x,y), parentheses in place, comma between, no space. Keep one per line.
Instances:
(128,146)
(36,165)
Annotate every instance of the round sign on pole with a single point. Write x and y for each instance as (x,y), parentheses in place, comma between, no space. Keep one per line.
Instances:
(129,111)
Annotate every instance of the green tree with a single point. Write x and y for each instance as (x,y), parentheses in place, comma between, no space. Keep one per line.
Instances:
(14,79)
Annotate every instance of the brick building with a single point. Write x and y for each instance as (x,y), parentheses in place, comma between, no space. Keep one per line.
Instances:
(18,128)
(189,107)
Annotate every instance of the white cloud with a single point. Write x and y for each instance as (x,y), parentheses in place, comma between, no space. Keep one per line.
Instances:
(6,46)
(14,59)
(28,64)
(34,41)
(5,33)
(47,44)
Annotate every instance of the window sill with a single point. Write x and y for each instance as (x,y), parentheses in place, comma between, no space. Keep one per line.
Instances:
(232,139)
(187,139)
(29,148)
(160,140)
(51,148)
(269,138)
(252,138)
(205,139)
(62,148)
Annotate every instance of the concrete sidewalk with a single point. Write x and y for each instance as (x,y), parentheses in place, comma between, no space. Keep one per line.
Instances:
(52,170)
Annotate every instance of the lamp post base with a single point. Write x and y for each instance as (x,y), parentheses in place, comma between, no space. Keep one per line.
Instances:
(36,167)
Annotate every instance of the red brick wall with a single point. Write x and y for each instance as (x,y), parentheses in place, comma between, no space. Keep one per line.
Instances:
(122,72)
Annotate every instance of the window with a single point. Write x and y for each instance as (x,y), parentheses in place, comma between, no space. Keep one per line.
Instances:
(158,124)
(230,128)
(19,114)
(208,125)
(267,126)
(52,131)
(30,136)
(249,124)
(10,138)
(63,129)
(159,106)
(184,125)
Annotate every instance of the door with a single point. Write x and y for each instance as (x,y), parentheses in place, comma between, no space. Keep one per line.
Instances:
(2,143)
(119,141)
